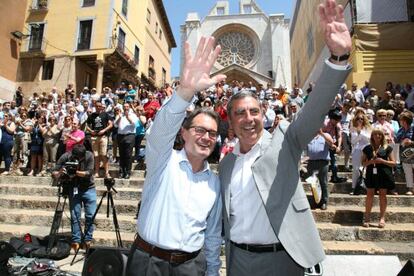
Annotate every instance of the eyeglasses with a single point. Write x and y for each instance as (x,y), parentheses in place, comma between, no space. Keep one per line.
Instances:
(201,131)
(359,119)
(382,115)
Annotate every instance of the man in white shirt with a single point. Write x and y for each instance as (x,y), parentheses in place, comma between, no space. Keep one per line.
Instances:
(268,224)
(125,122)
(179,223)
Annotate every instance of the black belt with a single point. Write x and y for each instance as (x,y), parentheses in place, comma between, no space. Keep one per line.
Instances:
(127,134)
(260,248)
(172,256)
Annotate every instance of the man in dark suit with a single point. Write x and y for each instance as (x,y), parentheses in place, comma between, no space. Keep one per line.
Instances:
(268,225)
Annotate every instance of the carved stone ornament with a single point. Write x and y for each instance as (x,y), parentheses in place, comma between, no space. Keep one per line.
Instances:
(236,48)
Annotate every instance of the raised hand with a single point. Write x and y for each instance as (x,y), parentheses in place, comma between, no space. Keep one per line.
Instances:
(332,22)
(196,71)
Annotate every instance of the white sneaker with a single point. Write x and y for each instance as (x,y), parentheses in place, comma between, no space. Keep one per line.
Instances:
(5,173)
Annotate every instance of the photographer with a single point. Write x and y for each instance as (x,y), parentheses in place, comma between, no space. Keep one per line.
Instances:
(75,170)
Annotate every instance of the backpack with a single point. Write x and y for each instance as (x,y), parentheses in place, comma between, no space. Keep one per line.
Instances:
(37,247)
(6,252)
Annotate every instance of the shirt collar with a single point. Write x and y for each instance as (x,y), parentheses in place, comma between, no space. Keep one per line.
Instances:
(255,148)
(182,157)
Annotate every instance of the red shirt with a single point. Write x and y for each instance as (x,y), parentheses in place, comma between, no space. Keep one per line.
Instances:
(151,108)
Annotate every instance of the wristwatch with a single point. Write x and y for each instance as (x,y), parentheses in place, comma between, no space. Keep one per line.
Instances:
(340,58)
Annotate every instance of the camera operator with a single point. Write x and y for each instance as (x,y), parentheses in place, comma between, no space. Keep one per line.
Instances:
(75,169)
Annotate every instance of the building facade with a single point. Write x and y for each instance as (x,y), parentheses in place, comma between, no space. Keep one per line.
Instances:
(93,43)
(12,15)
(255,46)
(382,33)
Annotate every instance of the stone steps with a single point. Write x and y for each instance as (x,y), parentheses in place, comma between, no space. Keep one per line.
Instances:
(346,187)
(354,215)
(28,204)
(328,231)
(47,181)
(404,250)
(352,200)
(49,203)
(124,192)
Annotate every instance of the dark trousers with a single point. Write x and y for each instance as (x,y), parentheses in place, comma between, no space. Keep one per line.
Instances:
(322,167)
(138,140)
(333,167)
(245,263)
(5,154)
(126,145)
(140,263)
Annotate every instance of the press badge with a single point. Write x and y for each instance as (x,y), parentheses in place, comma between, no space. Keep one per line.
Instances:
(75,189)
(374,170)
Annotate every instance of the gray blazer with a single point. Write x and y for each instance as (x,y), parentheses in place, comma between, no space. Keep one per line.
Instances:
(277,178)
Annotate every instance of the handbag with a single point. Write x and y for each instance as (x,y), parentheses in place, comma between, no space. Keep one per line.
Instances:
(360,187)
(316,187)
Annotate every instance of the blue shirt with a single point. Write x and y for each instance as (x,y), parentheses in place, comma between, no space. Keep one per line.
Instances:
(318,149)
(180,209)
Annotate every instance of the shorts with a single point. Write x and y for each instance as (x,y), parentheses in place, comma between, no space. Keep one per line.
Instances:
(100,145)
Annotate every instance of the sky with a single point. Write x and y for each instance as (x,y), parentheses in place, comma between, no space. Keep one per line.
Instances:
(177,11)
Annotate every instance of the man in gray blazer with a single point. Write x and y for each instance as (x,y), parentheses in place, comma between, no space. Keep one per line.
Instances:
(269,228)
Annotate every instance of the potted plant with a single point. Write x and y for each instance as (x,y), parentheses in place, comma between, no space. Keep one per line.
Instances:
(42,4)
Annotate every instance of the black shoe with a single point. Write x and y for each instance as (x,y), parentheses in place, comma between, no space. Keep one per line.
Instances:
(338,180)
(127,176)
(324,206)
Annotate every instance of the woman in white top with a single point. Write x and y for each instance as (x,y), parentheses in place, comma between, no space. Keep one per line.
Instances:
(360,137)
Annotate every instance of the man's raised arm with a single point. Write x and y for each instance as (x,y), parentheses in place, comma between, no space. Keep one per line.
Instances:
(195,77)
(338,40)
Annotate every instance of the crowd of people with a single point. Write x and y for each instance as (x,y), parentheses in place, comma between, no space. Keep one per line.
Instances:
(37,131)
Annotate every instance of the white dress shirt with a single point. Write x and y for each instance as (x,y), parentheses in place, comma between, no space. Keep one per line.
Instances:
(180,209)
(124,125)
(249,222)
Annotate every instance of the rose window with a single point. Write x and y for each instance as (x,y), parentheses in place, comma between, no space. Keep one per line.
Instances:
(236,48)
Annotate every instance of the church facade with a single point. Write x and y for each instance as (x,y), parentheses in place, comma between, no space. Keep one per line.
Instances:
(255,46)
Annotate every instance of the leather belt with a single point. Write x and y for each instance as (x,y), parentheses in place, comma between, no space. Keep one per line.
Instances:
(259,248)
(171,256)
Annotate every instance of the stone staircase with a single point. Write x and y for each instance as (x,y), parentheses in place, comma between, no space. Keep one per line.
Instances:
(28,203)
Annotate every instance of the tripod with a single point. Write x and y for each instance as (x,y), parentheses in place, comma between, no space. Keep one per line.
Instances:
(108,194)
(57,218)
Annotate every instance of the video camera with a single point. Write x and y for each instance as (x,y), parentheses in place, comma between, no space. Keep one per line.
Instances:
(70,168)
(109,182)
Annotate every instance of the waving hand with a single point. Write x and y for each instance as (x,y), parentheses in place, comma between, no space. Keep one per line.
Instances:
(196,71)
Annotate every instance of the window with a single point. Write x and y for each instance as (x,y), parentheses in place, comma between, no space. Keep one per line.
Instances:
(88,3)
(160,35)
(164,76)
(156,27)
(220,11)
(247,9)
(121,40)
(151,70)
(136,55)
(148,16)
(47,71)
(36,36)
(310,39)
(85,34)
(125,7)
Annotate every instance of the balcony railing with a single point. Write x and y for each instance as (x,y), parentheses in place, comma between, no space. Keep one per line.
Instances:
(32,47)
(120,47)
